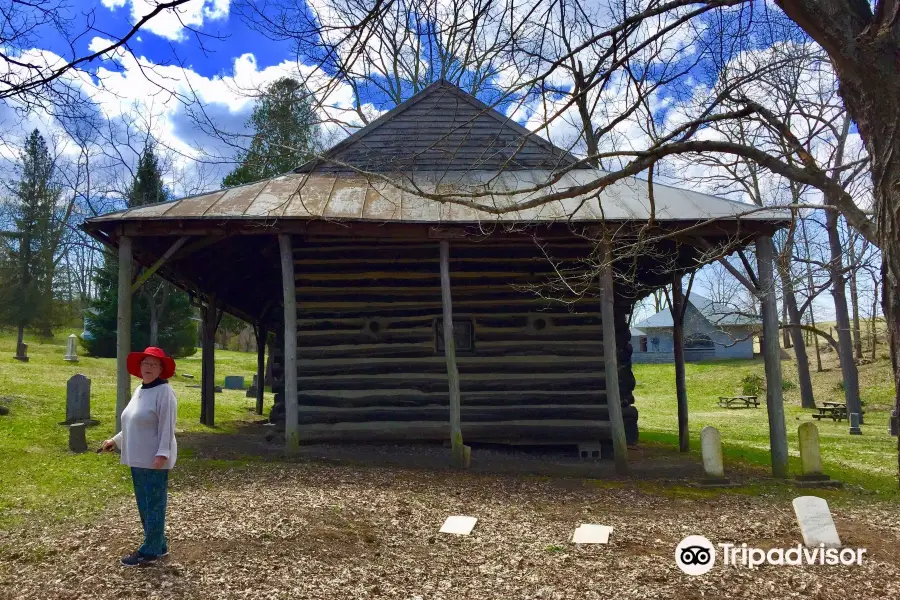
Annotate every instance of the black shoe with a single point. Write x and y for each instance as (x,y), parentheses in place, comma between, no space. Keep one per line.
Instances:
(137,559)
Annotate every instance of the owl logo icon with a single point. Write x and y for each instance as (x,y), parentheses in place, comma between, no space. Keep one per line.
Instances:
(695,555)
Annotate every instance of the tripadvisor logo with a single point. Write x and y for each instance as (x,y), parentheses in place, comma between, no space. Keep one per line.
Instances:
(696,555)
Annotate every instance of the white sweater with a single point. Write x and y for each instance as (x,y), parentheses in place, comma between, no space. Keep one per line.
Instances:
(148,427)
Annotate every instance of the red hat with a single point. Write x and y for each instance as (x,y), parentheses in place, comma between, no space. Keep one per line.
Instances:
(135,358)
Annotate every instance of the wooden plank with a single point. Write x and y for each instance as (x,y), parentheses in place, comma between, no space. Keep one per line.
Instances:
(560,431)
(772,355)
(262,334)
(620,449)
(456,439)
(468,414)
(438,364)
(291,434)
(437,382)
(362,398)
(160,262)
(531,348)
(123,329)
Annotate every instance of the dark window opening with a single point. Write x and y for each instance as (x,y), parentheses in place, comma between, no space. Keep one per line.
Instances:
(698,341)
(463,335)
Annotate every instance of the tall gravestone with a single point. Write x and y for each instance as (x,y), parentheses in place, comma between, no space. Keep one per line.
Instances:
(711,451)
(71,354)
(251,391)
(78,401)
(811,459)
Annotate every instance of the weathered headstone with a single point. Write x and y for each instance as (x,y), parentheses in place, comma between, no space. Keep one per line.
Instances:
(816,523)
(71,353)
(78,401)
(811,459)
(894,424)
(21,352)
(77,438)
(234,382)
(251,391)
(854,424)
(591,534)
(711,451)
(458,525)
(186,376)
(3,410)
(218,389)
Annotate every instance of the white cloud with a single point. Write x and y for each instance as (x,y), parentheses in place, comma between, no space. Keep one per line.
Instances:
(171,23)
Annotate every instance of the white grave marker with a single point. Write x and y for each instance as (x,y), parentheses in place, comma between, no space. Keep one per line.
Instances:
(591,534)
(459,525)
(815,521)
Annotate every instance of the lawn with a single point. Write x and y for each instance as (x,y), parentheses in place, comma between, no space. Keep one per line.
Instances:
(38,476)
(40,479)
(869,460)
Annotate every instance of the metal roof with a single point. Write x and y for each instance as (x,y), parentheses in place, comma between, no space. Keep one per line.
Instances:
(720,315)
(356,198)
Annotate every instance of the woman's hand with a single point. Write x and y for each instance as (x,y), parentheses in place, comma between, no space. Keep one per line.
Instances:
(159,462)
(108,446)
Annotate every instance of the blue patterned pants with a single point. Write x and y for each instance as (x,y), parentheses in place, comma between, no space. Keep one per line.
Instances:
(151,488)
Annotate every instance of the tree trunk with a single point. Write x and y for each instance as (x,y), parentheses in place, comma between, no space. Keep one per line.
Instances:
(874,320)
(785,333)
(807,400)
(854,298)
(842,316)
(20,337)
(154,325)
(677,311)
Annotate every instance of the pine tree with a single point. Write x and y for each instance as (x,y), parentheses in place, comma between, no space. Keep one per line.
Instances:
(285,134)
(161,314)
(26,298)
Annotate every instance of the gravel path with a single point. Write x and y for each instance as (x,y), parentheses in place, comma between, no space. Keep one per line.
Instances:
(318,529)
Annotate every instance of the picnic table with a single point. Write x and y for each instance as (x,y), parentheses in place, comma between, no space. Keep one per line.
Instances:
(836,411)
(738,401)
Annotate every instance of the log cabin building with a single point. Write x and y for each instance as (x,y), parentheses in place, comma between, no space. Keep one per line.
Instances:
(352,243)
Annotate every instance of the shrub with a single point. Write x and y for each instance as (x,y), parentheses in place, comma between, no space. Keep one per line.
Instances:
(753,384)
(787,385)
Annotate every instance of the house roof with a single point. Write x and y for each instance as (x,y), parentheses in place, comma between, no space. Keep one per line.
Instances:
(636,332)
(720,315)
(341,197)
(441,128)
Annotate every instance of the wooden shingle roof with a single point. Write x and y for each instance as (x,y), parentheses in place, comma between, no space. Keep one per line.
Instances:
(441,128)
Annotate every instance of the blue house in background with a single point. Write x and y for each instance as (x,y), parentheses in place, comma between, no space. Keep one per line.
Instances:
(711,331)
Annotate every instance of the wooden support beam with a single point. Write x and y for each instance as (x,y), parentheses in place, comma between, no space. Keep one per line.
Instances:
(211,315)
(677,310)
(771,350)
(456,440)
(160,262)
(262,333)
(291,414)
(123,329)
(610,358)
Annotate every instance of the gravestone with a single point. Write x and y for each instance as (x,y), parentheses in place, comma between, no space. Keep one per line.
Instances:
(894,424)
(854,424)
(811,459)
(21,352)
(77,439)
(234,382)
(186,376)
(71,354)
(3,410)
(251,391)
(218,389)
(816,524)
(78,401)
(458,525)
(711,451)
(591,534)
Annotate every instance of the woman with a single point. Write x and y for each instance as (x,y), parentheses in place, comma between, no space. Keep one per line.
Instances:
(147,442)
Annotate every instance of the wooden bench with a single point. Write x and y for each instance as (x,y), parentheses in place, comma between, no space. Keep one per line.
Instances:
(738,401)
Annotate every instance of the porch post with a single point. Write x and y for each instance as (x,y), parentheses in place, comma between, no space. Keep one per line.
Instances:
(456,440)
(262,334)
(610,352)
(289,289)
(210,323)
(772,355)
(677,310)
(123,329)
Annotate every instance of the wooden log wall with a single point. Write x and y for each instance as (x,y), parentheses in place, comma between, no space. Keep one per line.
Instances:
(368,364)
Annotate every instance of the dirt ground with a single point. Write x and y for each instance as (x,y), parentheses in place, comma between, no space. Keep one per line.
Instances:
(362,522)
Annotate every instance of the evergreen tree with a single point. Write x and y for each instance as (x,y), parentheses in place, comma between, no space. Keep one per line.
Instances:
(26,297)
(161,314)
(285,134)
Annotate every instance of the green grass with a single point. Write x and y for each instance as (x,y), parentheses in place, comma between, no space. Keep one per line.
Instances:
(38,475)
(868,461)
